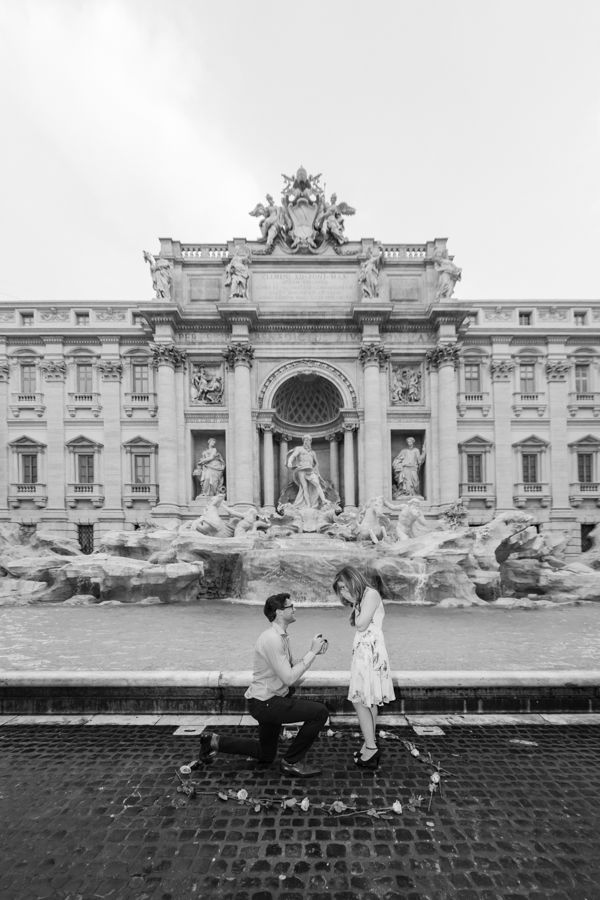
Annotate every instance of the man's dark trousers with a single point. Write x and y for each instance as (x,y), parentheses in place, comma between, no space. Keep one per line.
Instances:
(271,715)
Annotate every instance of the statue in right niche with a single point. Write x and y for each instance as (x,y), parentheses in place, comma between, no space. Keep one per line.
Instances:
(406,468)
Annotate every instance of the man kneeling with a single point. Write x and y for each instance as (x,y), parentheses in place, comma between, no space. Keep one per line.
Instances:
(271,699)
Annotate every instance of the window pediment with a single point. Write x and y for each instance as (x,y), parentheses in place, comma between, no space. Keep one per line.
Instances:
(26,442)
(532,442)
(83,443)
(139,443)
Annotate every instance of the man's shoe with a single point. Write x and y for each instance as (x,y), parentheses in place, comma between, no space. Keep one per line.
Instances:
(298,769)
(208,750)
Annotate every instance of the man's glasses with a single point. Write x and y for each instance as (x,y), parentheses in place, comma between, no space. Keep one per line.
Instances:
(289,606)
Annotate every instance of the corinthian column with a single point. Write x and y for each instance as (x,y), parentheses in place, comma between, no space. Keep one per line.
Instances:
(444,358)
(268,467)
(501,371)
(373,357)
(349,492)
(167,358)
(239,356)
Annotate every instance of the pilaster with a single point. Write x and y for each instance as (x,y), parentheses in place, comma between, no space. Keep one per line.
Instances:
(501,374)
(4,480)
(239,356)
(110,370)
(444,358)
(167,358)
(557,371)
(54,372)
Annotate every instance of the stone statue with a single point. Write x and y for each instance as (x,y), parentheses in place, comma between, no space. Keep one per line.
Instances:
(305,474)
(448,274)
(209,471)
(162,275)
(273,223)
(368,276)
(206,387)
(330,222)
(237,274)
(411,520)
(405,467)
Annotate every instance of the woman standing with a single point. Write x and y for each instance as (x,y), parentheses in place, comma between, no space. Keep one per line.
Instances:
(370,677)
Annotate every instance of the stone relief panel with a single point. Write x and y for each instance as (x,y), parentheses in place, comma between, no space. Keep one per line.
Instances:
(206,385)
(205,288)
(406,385)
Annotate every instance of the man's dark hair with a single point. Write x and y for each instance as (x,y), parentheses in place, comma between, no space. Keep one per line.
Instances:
(273,603)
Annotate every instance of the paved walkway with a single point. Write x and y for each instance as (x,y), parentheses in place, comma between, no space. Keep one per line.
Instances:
(92,811)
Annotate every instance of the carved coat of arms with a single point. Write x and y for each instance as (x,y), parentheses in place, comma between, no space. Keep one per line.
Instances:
(305,221)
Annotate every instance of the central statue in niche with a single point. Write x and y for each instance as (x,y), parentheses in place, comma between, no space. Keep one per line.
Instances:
(308,495)
(306,221)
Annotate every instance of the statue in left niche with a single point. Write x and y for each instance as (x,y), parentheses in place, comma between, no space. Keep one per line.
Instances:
(237,273)
(162,275)
(210,471)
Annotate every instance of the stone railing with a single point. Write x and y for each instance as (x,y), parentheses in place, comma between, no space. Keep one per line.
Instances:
(77,400)
(531,490)
(21,490)
(93,491)
(584,490)
(530,400)
(479,400)
(21,402)
(478,491)
(404,251)
(584,400)
(146,492)
(204,251)
(143,401)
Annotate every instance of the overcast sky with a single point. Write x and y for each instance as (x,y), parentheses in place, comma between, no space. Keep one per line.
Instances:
(124,121)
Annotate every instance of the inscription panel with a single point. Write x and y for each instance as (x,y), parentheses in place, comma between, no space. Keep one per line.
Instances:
(307,287)
(205,288)
(404,288)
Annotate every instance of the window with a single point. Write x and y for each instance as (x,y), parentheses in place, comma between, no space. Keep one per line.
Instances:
(82,318)
(29,465)
(140,378)
(141,468)
(85,536)
(524,318)
(582,379)
(85,468)
(579,318)
(27,319)
(472,378)
(28,378)
(585,466)
(527,378)
(530,468)
(474,468)
(84,378)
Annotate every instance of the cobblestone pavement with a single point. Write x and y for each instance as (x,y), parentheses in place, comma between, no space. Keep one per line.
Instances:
(94,812)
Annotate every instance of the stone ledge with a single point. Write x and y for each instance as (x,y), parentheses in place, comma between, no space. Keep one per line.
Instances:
(324,679)
(163,692)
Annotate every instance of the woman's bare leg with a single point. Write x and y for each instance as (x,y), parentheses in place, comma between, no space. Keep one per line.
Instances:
(365,721)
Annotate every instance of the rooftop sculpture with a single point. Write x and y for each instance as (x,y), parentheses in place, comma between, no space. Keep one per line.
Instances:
(305,221)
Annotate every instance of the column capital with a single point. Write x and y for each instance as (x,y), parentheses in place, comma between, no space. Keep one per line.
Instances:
(110,369)
(53,370)
(266,427)
(4,371)
(373,354)
(167,354)
(557,370)
(443,355)
(350,426)
(239,353)
(333,437)
(501,369)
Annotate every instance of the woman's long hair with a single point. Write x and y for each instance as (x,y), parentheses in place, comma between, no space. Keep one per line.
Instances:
(356,584)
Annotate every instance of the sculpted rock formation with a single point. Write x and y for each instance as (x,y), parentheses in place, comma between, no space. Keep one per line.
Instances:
(227,554)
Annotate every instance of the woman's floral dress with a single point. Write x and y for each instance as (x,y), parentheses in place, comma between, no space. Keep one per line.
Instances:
(370,677)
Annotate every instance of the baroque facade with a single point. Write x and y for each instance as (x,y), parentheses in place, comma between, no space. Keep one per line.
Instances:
(109,410)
